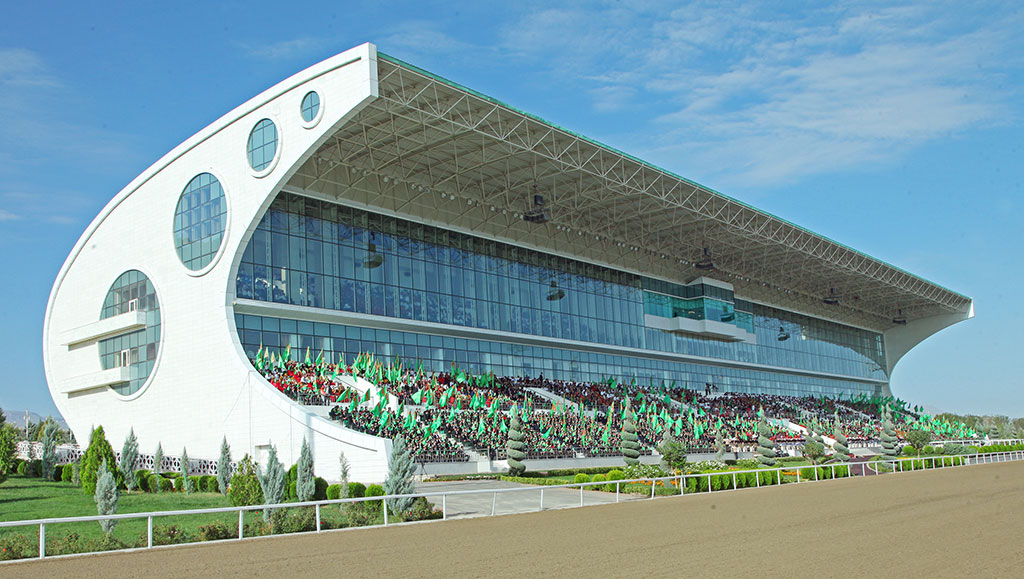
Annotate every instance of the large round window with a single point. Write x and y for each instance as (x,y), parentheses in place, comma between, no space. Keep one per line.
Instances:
(132,292)
(310,106)
(262,144)
(199,221)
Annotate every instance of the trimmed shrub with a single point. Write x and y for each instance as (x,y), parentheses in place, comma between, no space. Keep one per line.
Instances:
(320,489)
(374,491)
(166,485)
(691,485)
(58,473)
(195,484)
(909,451)
(212,484)
(289,492)
(581,478)
(612,476)
(807,474)
(929,449)
(98,451)
(296,520)
(356,490)
(33,468)
(333,492)
(824,473)
(597,478)
(153,483)
(767,477)
(142,476)
(67,472)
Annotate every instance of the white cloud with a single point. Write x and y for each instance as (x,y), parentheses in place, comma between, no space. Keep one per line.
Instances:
(759,95)
(7,216)
(20,68)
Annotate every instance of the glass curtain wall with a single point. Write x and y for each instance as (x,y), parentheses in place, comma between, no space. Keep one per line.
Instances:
(318,254)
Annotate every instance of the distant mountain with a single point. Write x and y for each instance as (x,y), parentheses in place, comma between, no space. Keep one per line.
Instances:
(17,418)
(933,410)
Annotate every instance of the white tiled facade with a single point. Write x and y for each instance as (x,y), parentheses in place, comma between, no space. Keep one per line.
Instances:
(202,388)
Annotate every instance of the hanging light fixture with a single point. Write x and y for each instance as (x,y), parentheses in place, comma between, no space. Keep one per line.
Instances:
(783,334)
(831,299)
(900,319)
(555,293)
(705,263)
(373,257)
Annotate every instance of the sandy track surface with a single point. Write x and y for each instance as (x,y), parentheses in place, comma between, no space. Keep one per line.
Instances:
(941,523)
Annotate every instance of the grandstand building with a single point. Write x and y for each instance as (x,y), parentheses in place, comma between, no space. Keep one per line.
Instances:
(366,205)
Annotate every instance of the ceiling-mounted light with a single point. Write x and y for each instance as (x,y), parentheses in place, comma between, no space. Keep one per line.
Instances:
(783,334)
(555,293)
(831,299)
(900,319)
(705,263)
(539,213)
(373,257)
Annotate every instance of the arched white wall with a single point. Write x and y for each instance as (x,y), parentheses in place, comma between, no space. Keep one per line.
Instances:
(182,406)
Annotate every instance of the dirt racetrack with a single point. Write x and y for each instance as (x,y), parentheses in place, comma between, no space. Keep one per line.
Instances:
(936,523)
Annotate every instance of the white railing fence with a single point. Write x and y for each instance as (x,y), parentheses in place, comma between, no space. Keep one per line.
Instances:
(763,477)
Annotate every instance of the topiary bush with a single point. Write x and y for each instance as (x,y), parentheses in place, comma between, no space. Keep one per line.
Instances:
(374,491)
(598,478)
(166,485)
(909,451)
(195,483)
(152,483)
(333,492)
(34,468)
(356,489)
(320,489)
(58,473)
(67,472)
(581,478)
(611,477)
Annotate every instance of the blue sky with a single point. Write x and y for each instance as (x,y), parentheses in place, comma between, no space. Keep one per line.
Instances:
(895,129)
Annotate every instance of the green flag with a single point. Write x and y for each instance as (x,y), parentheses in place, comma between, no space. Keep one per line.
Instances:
(418,396)
(546,433)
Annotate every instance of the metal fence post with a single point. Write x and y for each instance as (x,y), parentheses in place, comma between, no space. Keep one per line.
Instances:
(709,482)
(616,491)
(444,507)
(42,540)
(833,472)
(581,495)
(241,524)
(682,485)
(385,503)
(494,501)
(149,532)
(318,517)
(733,481)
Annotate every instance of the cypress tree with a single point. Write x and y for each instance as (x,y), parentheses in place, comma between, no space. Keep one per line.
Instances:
(399,481)
(129,456)
(305,483)
(515,447)
(49,458)
(224,467)
(106,496)
(842,452)
(719,444)
(272,482)
(630,445)
(97,453)
(888,436)
(765,445)
(185,483)
(158,464)
(343,465)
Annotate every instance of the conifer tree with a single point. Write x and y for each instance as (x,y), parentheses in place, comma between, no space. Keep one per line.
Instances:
(8,450)
(630,445)
(399,482)
(842,451)
(719,444)
(106,496)
(158,464)
(98,452)
(49,458)
(186,485)
(515,448)
(888,436)
(305,483)
(765,445)
(343,465)
(272,482)
(129,456)
(224,467)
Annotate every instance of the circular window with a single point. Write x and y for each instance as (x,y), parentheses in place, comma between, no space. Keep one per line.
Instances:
(199,221)
(262,144)
(310,106)
(131,292)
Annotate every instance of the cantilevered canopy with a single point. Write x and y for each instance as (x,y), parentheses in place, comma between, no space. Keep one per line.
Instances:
(442,153)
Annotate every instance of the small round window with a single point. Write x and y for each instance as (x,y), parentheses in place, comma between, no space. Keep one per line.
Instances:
(310,106)
(136,350)
(199,221)
(262,144)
